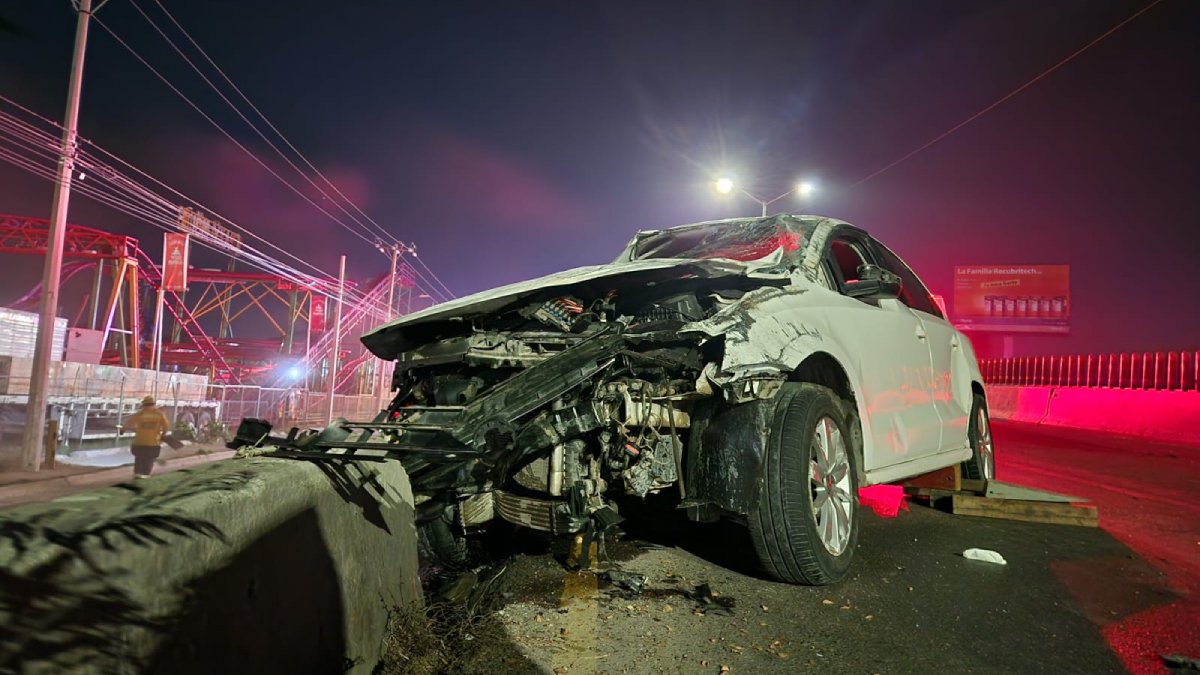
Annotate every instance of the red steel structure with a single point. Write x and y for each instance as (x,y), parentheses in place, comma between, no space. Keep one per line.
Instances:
(235,326)
(30,236)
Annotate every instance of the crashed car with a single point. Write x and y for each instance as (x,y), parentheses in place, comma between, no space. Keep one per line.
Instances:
(762,368)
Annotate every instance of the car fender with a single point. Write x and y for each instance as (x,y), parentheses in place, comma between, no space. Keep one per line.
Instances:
(767,335)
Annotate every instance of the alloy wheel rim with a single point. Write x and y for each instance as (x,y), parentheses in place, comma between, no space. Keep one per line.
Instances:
(830,485)
(985,449)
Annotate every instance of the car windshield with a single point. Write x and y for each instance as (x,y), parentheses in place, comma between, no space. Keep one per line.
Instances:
(741,240)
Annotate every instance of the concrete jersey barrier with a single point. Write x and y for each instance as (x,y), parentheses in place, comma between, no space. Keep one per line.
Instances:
(247,565)
(1162,416)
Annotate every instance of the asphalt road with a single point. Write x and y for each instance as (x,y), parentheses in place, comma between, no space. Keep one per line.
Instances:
(1070,599)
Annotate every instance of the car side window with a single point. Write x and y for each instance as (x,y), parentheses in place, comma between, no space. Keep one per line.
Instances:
(912,292)
(846,257)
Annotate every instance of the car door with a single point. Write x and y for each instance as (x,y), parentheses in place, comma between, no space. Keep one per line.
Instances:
(944,345)
(893,361)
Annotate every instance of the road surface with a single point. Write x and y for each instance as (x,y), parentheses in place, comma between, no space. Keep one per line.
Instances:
(1070,599)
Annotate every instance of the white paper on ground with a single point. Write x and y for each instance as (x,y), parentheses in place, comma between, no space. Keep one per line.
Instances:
(984,555)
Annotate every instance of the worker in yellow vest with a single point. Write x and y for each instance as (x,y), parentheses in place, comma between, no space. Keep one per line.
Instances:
(148,425)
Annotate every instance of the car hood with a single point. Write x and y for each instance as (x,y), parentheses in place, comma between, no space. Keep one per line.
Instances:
(389,340)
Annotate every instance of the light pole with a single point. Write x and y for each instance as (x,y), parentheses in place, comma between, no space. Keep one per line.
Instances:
(726,185)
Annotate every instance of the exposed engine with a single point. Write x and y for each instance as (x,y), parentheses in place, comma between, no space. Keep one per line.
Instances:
(555,405)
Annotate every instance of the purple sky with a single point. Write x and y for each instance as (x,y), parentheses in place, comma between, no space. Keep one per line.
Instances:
(510,140)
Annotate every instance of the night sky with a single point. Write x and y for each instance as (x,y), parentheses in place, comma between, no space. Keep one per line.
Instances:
(510,140)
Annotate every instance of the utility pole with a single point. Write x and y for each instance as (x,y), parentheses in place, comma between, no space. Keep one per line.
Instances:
(383,388)
(337,335)
(35,409)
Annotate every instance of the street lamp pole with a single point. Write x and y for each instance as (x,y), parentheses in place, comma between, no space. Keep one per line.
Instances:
(35,409)
(726,185)
(766,202)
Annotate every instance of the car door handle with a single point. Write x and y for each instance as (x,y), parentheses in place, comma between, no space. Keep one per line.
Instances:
(921,334)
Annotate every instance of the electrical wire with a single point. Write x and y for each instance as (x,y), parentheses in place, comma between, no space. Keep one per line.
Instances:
(47,147)
(992,106)
(227,135)
(443,291)
(154,212)
(171,17)
(251,124)
(435,292)
(435,277)
(84,159)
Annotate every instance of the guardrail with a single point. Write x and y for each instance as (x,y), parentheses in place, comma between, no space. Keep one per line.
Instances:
(1163,371)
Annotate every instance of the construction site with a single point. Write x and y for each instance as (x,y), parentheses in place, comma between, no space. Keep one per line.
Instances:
(223,345)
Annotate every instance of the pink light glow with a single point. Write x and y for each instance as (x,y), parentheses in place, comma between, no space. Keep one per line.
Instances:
(885,500)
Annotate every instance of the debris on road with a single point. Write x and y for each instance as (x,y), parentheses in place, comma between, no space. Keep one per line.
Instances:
(984,555)
(711,600)
(632,582)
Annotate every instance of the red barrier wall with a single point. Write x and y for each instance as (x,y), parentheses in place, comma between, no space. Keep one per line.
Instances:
(1166,416)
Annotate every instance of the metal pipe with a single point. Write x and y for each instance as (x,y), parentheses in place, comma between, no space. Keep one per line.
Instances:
(555,480)
(95,302)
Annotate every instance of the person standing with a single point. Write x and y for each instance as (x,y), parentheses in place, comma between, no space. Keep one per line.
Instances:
(148,424)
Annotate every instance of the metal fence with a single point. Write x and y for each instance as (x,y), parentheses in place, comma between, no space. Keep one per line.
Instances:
(288,407)
(1166,371)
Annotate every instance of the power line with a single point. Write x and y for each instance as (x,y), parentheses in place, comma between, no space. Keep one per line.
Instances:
(43,143)
(1014,92)
(249,123)
(258,112)
(433,290)
(435,277)
(154,209)
(225,133)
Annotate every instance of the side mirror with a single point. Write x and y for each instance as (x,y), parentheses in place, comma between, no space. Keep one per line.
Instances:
(874,283)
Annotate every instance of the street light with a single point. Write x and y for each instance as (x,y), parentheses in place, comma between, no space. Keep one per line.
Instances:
(725,185)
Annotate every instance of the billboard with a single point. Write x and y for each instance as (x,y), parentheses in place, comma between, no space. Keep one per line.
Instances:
(175,261)
(1013,298)
(316,313)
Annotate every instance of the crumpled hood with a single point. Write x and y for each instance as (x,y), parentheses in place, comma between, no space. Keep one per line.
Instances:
(386,341)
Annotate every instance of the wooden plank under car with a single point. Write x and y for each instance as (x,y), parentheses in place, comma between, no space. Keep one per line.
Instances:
(1054,512)
(994,499)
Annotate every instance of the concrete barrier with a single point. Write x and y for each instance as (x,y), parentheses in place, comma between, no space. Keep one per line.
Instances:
(247,565)
(1162,416)
(1020,404)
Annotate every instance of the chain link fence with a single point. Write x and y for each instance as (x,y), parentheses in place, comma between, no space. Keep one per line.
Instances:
(288,407)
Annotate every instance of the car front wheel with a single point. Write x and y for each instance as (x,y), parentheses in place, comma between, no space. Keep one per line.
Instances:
(805,524)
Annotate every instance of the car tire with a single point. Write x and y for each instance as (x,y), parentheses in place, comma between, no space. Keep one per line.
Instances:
(805,524)
(982,464)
